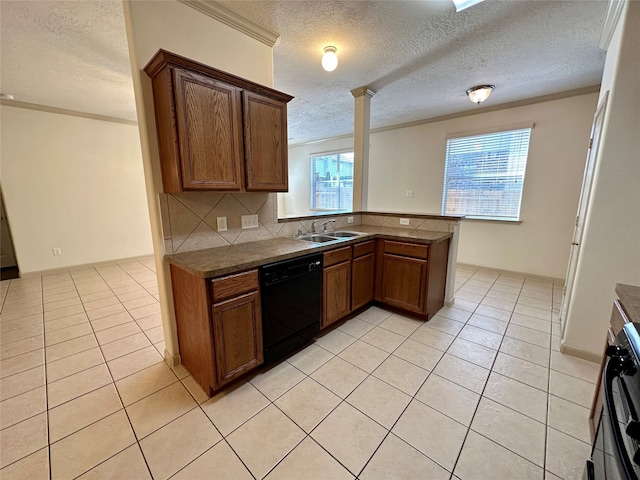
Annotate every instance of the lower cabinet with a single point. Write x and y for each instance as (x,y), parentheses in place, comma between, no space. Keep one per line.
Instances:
(336,280)
(219,325)
(404,282)
(362,274)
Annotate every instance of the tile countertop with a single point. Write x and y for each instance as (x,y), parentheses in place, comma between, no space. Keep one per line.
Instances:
(629,295)
(215,262)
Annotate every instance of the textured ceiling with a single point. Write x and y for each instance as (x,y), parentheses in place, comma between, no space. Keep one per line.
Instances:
(420,56)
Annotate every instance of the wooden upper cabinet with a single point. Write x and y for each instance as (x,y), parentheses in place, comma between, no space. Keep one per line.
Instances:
(209,121)
(265,140)
(217,131)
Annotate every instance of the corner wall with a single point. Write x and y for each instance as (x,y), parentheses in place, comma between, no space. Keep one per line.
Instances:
(72,183)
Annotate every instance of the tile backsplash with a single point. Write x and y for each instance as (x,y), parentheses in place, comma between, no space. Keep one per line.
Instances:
(189,220)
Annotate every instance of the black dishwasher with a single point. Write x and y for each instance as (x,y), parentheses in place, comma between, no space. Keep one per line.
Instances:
(291,294)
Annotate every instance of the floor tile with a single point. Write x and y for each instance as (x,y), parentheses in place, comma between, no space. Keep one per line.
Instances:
(158,409)
(334,341)
(495,292)
(70,347)
(433,338)
(307,404)
(401,325)
(78,384)
(233,406)
(482,459)
(32,467)
(449,398)
(528,335)
(472,352)
(397,459)
(481,337)
(566,455)
(125,346)
(453,313)
(150,321)
(493,312)
(466,305)
(355,327)
(417,426)
(403,375)
(219,459)
(183,440)
(517,396)
(129,463)
(510,429)
(534,302)
(576,367)
(116,333)
(379,401)
(445,325)
(310,358)
(134,362)
(265,440)
(569,418)
(540,313)
(571,388)
(21,346)
(486,323)
(277,380)
(21,407)
(196,391)
(382,338)
(349,436)
(109,321)
(308,461)
(21,333)
(80,452)
(463,373)
(525,351)
(364,356)
(67,333)
(521,370)
(105,311)
(63,312)
(374,315)
(82,411)
(73,364)
(531,322)
(339,376)
(21,382)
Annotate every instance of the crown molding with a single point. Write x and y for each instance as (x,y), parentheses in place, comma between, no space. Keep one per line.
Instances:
(64,111)
(234,20)
(614,10)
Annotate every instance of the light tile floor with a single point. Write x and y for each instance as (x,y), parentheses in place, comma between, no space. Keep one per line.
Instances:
(478,392)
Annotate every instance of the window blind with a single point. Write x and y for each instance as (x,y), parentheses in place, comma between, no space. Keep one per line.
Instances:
(332,181)
(484,175)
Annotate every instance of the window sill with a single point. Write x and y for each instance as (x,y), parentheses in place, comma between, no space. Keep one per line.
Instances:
(491,220)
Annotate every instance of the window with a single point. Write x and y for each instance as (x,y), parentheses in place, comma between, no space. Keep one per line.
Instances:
(332,181)
(484,175)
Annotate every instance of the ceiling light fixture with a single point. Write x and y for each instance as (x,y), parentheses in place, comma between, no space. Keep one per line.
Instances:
(480,93)
(462,4)
(329,59)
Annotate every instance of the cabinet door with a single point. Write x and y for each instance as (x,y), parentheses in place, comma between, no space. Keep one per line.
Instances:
(265,139)
(336,292)
(362,281)
(237,336)
(209,120)
(404,282)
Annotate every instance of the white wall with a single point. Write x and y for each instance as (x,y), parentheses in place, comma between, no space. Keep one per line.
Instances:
(180,29)
(610,251)
(72,183)
(297,200)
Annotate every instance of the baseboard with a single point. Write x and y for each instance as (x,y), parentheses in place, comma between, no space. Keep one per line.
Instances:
(509,272)
(172,360)
(85,265)
(579,353)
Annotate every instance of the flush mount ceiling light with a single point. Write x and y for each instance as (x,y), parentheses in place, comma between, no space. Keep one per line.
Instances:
(480,93)
(462,4)
(329,59)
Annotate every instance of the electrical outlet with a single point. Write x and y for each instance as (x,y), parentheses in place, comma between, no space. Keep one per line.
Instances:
(222,224)
(349,219)
(404,221)
(56,251)
(249,221)
(409,193)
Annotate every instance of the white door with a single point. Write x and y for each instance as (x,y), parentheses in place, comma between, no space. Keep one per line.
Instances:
(583,205)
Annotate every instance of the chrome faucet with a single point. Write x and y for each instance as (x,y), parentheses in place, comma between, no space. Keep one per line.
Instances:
(324,225)
(313,226)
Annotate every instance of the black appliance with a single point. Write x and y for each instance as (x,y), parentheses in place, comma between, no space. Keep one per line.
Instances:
(616,449)
(291,295)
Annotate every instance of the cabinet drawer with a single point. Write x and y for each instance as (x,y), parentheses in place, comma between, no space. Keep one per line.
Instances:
(363,248)
(406,249)
(336,256)
(234,285)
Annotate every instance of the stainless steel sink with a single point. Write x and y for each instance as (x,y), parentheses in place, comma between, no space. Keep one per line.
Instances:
(344,234)
(315,238)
